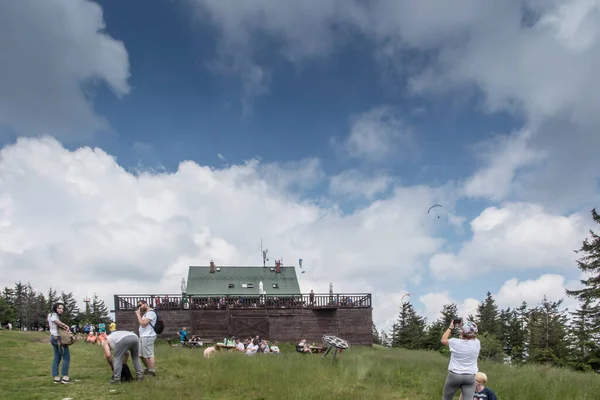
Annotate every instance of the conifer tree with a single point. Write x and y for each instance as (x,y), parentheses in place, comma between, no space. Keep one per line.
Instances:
(70,315)
(487,317)
(437,328)
(375,333)
(99,311)
(548,333)
(410,328)
(589,295)
(585,349)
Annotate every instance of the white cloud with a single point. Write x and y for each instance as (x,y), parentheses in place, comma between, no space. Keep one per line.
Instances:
(303,174)
(353,184)
(514,292)
(511,293)
(504,156)
(378,134)
(516,236)
(433,303)
(79,214)
(51,52)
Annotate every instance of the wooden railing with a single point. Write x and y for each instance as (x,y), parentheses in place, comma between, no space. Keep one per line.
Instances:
(217,302)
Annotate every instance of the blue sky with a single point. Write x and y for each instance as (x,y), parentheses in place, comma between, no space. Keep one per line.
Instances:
(329,128)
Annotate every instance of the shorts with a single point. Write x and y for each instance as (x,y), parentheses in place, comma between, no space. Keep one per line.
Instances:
(147,346)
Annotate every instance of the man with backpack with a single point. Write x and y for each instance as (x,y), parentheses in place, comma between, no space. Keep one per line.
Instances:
(147,319)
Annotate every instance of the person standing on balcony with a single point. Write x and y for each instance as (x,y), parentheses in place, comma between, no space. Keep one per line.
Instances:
(147,319)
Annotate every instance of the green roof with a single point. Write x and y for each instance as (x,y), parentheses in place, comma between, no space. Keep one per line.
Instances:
(245,281)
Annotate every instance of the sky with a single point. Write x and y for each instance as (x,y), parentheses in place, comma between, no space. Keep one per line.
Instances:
(138,138)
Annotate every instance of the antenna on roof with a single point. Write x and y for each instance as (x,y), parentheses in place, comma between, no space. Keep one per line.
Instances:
(263,253)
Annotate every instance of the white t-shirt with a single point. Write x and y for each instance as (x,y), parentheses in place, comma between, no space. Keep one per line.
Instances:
(240,346)
(53,327)
(148,330)
(115,337)
(463,355)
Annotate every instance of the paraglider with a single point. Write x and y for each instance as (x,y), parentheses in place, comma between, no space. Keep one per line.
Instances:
(434,206)
(407,294)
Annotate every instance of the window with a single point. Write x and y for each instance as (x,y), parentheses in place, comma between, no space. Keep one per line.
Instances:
(247,285)
(275,286)
(231,286)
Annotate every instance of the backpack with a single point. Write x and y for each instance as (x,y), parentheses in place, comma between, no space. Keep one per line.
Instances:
(159,326)
(66,337)
(126,375)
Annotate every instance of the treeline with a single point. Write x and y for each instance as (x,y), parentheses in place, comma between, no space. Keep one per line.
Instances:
(24,307)
(544,333)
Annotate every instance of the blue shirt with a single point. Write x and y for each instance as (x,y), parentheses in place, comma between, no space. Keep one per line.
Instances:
(182,335)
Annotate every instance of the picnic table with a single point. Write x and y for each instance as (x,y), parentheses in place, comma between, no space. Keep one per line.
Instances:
(221,346)
(317,349)
(198,343)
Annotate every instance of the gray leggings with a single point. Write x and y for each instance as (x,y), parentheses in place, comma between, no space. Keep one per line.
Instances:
(464,382)
(128,343)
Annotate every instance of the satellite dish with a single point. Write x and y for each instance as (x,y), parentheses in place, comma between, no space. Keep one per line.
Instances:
(334,341)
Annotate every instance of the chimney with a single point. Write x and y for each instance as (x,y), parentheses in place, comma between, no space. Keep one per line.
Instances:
(212,267)
(277,266)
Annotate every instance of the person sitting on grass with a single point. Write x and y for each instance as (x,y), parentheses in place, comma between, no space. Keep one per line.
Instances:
(274,348)
(91,338)
(482,392)
(303,347)
(239,346)
(122,343)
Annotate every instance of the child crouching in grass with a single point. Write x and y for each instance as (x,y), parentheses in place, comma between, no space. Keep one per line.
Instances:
(482,392)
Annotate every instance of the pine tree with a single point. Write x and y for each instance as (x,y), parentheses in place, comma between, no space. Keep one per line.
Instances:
(375,333)
(8,312)
(51,300)
(71,312)
(585,351)
(589,264)
(513,333)
(548,333)
(436,329)
(487,316)
(410,328)
(99,311)
(19,304)
(385,339)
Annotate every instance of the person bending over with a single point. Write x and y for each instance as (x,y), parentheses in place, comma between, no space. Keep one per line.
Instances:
(464,352)
(122,343)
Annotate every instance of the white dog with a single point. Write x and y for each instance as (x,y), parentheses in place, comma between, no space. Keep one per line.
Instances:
(209,352)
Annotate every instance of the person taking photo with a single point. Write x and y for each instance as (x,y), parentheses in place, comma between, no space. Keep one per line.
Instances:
(464,352)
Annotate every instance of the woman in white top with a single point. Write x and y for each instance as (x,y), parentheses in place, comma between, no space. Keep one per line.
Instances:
(59,351)
(464,353)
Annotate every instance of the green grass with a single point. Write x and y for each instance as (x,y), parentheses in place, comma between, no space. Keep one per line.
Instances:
(360,373)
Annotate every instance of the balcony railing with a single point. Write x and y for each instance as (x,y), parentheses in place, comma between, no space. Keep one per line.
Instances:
(220,302)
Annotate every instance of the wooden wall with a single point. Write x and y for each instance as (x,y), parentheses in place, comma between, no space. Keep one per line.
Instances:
(283,325)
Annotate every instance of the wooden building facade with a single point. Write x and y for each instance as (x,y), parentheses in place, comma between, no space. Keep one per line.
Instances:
(285,316)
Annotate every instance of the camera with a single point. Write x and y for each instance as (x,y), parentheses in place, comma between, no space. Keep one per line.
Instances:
(457,321)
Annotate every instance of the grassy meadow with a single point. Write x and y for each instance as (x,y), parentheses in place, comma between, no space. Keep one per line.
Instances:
(182,373)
